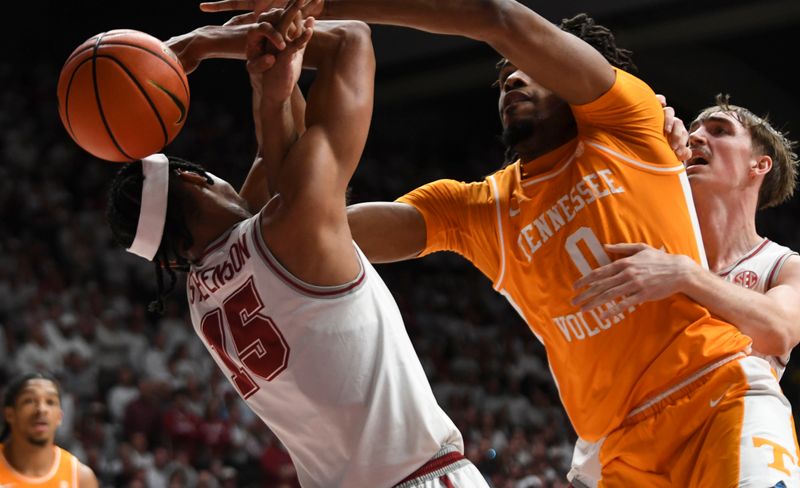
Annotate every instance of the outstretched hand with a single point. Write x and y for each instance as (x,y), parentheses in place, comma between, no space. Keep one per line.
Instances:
(308,8)
(643,274)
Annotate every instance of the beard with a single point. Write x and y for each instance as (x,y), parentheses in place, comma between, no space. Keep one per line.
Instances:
(39,441)
(517,132)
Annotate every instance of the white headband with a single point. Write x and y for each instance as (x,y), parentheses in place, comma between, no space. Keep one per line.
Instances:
(153,210)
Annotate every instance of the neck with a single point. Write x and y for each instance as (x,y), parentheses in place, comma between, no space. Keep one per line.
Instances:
(543,141)
(30,459)
(728,227)
(211,224)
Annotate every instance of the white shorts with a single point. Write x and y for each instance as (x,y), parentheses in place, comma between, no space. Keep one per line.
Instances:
(448,469)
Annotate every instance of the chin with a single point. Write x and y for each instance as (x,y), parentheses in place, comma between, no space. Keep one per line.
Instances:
(40,441)
(517,131)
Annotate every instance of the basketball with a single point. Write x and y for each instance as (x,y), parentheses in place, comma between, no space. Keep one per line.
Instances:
(123,95)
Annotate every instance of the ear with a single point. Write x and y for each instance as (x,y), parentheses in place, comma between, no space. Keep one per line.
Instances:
(8,414)
(761,166)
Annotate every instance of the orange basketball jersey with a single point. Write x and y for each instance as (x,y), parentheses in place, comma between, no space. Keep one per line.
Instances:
(619,181)
(64,473)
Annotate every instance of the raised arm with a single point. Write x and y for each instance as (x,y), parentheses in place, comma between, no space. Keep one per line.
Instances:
(559,61)
(312,178)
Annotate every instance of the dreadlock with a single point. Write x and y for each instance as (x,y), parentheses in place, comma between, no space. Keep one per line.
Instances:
(599,37)
(124,205)
(15,388)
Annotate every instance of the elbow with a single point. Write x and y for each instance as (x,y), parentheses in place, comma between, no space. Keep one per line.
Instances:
(491,19)
(354,41)
(352,33)
(777,341)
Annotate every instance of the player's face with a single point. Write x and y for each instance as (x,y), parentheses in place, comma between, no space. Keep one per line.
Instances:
(36,414)
(722,151)
(224,191)
(525,105)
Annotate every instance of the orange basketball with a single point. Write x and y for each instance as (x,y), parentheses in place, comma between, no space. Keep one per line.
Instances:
(123,95)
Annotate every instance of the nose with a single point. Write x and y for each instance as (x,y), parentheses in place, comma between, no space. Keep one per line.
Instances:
(697,137)
(514,80)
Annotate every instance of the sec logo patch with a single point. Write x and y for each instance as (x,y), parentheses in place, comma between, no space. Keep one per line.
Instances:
(746,279)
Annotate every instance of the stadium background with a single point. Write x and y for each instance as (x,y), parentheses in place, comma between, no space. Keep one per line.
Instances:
(144,404)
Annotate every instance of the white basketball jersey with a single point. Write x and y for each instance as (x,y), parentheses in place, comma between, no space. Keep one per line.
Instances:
(330,369)
(757,270)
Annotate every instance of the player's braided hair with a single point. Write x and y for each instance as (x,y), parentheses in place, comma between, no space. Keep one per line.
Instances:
(15,387)
(124,205)
(599,37)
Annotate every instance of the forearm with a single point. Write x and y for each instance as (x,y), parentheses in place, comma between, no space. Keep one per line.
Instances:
(760,316)
(387,231)
(278,133)
(208,42)
(569,67)
(469,18)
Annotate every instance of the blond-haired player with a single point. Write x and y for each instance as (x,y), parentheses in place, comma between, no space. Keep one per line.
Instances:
(739,164)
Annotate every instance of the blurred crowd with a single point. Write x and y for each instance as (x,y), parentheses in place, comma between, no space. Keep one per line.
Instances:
(144,404)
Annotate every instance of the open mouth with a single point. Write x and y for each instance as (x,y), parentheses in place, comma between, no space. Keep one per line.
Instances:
(699,158)
(514,97)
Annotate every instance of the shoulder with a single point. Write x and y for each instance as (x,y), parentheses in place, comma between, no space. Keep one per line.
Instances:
(628,98)
(787,270)
(446,189)
(86,477)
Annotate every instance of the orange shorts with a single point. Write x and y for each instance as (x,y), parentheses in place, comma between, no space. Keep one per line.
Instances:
(733,428)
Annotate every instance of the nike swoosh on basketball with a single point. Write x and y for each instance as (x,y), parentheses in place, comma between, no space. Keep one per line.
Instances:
(175,100)
(513,212)
(714,403)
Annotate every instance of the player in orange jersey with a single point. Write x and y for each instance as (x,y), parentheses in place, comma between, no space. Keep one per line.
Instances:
(594,168)
(739,164)
(28,454)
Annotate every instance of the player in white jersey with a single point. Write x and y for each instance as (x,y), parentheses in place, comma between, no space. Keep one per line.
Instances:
(739,164)
(287,305)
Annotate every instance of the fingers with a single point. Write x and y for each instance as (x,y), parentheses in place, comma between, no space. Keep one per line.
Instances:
(600,273)
(605,294)
(289,17)
(227,5)
(256,38)
(683,153)
(599,288)
(241,19)
(300,42)
(311,8)
(679,140)
(260,64)
(661,99)
(621,306)
(626,248)
(669,120)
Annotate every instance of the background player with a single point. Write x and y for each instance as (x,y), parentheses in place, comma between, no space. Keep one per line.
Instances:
(284,301)
(592,156)
(28,453)
(739,164)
